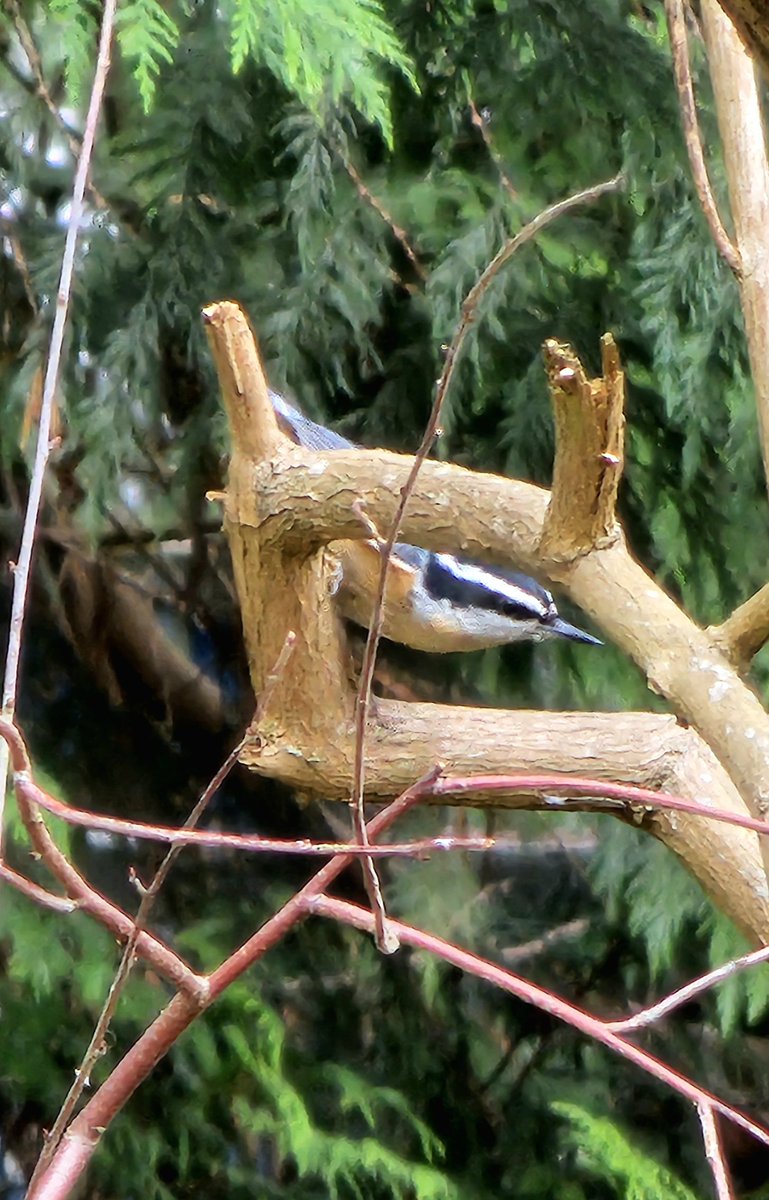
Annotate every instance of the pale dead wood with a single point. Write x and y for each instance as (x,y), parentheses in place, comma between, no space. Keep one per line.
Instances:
(740,123)
(376,618)
(278,588)
(589,437)
(639,748)
(751,19)
(308,582)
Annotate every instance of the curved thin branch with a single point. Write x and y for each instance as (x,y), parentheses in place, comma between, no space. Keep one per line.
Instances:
(376,621)
(674,10)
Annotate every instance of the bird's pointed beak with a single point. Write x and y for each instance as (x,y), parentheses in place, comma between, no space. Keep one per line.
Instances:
(563,629)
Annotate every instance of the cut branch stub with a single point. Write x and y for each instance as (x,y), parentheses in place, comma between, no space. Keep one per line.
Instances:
(281,588)
(590,425)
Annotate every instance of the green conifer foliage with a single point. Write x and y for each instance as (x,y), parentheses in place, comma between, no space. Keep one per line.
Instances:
(239,151)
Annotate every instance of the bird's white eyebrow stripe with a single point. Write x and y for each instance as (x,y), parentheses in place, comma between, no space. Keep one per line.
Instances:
(470,573)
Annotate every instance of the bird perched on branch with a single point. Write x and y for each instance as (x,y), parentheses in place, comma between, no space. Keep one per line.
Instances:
(435,602)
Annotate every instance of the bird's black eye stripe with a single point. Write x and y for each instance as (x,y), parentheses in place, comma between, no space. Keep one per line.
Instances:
(444,580)
(508,608)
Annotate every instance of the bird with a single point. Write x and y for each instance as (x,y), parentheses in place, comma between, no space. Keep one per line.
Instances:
(434,601)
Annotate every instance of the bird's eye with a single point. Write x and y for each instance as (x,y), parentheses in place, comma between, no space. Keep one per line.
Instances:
(516,612)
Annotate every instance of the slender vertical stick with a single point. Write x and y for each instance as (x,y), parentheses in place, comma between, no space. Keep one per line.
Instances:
(23,565)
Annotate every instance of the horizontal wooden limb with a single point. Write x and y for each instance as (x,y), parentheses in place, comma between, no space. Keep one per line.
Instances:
(644,749)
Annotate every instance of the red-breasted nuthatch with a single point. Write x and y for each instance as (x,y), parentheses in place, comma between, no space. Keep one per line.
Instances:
(434,602)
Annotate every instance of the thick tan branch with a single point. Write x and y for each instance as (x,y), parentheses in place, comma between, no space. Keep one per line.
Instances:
(747,629)
(641,748)
(503,520)
(590,428)
(751,18)
(740,122)
(281,516)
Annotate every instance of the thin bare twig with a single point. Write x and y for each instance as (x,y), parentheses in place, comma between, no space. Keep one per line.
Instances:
(714,1150)
(546,1001)
(22,568)
(33,891)
(368,197)
(28,796)
(88,900)
(481,123)
(674,11)
(97,1045)
(472,300)
(684,994)
(10,233)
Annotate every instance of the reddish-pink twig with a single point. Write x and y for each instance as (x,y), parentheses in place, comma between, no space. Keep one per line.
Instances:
(531,993)
(97,1042)
(33,891)
(596,790)
(161,957)
(75,1150)
(581,787)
